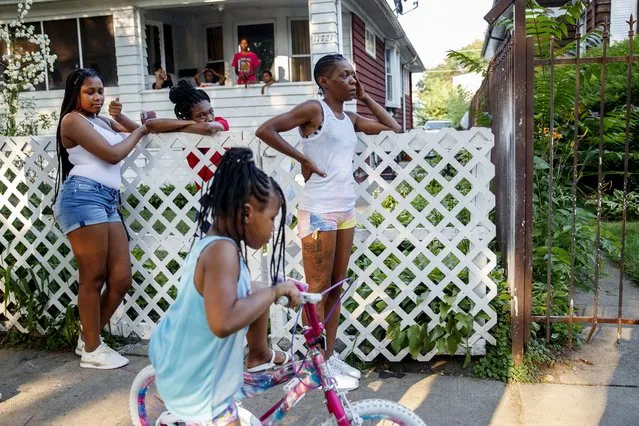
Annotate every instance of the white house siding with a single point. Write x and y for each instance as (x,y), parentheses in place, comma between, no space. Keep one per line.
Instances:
(128,51)
(620,13)
(323,25)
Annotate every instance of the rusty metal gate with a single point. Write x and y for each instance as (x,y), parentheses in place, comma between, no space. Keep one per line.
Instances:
(577,61)
(506,97)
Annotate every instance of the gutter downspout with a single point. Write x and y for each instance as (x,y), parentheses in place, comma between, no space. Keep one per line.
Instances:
(403,100)
(340,32)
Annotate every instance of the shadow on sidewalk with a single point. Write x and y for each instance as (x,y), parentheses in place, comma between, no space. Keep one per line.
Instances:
(50,388)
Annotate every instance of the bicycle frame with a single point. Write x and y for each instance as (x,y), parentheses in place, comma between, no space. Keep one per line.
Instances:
(312,374)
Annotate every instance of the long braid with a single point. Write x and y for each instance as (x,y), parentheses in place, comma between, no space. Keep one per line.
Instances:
(279,239)
(236,179)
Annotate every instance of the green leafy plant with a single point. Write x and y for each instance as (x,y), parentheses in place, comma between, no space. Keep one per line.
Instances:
(455,328)
(28,295)
(612,204)
(468,62)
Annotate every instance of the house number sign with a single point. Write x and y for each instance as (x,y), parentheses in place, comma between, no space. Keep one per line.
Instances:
(324,38)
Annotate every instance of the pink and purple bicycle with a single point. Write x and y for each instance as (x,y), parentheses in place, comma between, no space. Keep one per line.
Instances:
(312,373)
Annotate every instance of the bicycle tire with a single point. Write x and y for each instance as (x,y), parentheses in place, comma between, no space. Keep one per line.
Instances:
(378,410)
(143,380)
(141,383)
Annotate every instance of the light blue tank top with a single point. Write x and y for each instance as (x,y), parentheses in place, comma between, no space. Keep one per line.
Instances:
(197,373)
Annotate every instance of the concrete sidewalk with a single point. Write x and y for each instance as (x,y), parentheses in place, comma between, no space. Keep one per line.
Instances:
(44,388)
(598,385)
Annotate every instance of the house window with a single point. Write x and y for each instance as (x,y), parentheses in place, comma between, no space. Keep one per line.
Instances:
(159,47)
(389,76)
(168,49)
(98,47)
(300,51)
(394,76)
(215,49)
(82,43)
(78,43)
(371,42)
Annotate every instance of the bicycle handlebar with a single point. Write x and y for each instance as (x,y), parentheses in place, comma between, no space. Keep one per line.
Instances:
(312,298)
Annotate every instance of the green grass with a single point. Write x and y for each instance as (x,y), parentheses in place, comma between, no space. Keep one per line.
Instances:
(612,231)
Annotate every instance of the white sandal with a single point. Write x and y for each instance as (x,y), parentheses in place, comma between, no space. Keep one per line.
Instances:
(271,364)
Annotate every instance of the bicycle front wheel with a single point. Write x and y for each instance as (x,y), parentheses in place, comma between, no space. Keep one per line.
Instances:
(380,412)
(144,403)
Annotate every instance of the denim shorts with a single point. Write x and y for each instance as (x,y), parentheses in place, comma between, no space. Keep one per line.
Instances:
(84,202)
(311,223)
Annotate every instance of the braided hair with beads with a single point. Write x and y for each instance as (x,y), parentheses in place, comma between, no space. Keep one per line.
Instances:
(185,96)
(236,179)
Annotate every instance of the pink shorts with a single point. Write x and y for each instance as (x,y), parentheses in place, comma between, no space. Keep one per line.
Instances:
(312,223)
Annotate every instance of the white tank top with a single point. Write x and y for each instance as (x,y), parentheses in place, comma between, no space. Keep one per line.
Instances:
(88,165)
(332,149)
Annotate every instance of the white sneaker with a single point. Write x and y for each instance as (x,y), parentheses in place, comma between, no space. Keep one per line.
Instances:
(343,368)
(102,358)
(346,383)
(80,346)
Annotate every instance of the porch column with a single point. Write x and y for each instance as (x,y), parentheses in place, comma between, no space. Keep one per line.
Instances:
(324,28)
(129,42)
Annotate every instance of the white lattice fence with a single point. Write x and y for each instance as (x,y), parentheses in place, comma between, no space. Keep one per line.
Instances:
(423,232)
(423,229)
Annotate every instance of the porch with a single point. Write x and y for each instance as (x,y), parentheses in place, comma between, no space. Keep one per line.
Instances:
(126,41)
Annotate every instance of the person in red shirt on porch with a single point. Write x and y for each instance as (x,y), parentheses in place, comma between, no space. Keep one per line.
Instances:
(246,64)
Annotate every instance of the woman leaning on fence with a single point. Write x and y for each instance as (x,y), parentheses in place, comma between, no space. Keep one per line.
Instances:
(90,148)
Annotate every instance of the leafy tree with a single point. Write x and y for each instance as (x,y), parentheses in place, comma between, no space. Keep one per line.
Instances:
(438,98)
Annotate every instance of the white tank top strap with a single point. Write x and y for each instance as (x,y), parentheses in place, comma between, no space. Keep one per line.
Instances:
(332,148)
(95,126)
(328,112)
(88,165)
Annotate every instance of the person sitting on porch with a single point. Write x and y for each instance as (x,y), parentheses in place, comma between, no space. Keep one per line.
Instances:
(246,64)
(267,78)
(326,215)
(162,79)
(210,78)
(197,347)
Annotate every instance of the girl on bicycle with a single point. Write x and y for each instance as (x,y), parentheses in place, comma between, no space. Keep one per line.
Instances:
(197,348)
(196,115)
(326,215)
(90,148)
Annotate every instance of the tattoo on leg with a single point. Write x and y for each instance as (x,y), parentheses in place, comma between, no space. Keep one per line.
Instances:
(314,248)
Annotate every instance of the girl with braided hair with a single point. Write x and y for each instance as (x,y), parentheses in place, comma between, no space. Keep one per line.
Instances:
(197,347)
(90,148)
(326,215)
(192,108)
(195,115)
